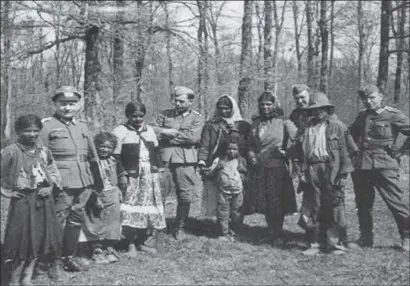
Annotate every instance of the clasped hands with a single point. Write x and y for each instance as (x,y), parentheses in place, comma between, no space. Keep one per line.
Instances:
(169,133)
(42,192)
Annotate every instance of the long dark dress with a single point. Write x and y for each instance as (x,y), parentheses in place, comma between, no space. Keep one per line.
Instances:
(32,228)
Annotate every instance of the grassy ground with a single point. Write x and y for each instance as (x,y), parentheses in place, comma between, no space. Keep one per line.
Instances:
(202,259)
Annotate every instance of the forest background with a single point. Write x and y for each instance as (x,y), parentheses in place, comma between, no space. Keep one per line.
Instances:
(117,51)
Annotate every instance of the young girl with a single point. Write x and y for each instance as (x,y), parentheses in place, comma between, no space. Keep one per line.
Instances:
(102,227)
(230,174)
(28,176)
(142,210)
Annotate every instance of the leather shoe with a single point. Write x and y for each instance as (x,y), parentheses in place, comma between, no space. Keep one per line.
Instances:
(72,265)
(405,244)
(55,272)
(179,234)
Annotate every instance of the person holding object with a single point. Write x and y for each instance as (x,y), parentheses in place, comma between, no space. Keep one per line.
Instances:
(28,176)
(271,190)
(67,137)
(376,160)
(226,124)
(142,211)
(178,131)
(321,147)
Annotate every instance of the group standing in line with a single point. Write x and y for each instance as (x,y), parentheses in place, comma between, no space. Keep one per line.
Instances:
(57,200)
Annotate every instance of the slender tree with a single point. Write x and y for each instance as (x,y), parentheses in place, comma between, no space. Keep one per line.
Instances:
(400,43)
(311,48)
(267,47)
(324,35)
(382,77)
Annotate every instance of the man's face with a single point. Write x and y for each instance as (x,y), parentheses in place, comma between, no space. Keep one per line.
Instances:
(232,151)
(372,101)
(182,103)
(29,135)
(319,113)
(301,99)
(67,107)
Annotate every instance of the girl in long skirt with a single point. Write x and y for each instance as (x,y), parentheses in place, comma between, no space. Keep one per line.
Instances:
(28,176)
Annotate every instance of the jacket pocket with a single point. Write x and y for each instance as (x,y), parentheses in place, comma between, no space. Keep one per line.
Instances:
(333,142)
(381,130)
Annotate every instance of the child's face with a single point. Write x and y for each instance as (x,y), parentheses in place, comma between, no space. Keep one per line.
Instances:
(136,119)
(29,135)
(232,151)
(105,149)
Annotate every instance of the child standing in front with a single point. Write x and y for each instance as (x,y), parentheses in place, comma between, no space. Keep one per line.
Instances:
(230,174)
(28,176)
(102,226)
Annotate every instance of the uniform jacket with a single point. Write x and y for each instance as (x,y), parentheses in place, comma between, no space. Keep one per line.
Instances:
(339,162)
(215,132)
(267,146)
(12,162)
(70,148)
(183,148)
(376,135)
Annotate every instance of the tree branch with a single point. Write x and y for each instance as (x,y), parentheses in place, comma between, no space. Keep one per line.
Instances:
(399,51)
(49,45)
(400,6)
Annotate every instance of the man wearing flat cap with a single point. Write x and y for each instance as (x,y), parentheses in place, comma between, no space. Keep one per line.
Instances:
(375,132)
(179,131)
(322,151)
(66,137)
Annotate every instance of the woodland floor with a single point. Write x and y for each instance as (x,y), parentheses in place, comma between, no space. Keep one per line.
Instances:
(202,259)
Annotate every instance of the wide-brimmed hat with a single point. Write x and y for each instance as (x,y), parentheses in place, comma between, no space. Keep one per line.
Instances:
(317,100)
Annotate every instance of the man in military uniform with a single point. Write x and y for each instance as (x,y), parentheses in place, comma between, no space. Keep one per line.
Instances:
(375,132)
(67,138)
(179,131)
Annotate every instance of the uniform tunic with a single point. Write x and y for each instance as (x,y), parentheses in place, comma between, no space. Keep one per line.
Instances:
(375,133)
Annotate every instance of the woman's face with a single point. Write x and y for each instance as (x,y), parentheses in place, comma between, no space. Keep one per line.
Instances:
(266,107)
(136,119)
(224,110)
(319,113)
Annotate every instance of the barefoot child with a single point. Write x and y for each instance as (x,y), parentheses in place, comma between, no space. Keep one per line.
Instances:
(103,222)
(230,173)
(28,176)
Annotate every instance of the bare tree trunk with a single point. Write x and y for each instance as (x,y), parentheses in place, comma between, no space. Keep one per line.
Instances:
(383,74)
(258,13)
(317,46)
(401,20)
(295,10)
(311,49)
(278,30)
(267,47)
(6,86)
(203,74)
(118,57)
(92,70)
(361,47)
(169,57)
(245,82)
(213,19)
(332,46)
(324,35)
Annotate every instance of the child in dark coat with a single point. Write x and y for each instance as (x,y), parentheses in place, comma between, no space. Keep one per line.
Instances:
(28,176)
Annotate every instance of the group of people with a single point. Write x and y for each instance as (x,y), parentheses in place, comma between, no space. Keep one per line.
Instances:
(67,186)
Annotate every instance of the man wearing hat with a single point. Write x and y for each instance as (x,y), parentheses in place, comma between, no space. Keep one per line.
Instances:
(375,132)
(66,137)
(179,131)
(321,148)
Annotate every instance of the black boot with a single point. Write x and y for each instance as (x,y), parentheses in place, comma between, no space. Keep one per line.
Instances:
(366,231)
(180,220)
(70,241)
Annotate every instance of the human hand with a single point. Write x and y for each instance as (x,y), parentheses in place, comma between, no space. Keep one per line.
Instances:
(120,196)
(98,203)
(341,180)
(201,164)
(8,193)
(46,191)
(123,183)
(169,132)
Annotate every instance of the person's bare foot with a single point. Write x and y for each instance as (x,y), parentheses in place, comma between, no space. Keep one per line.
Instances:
(132,250)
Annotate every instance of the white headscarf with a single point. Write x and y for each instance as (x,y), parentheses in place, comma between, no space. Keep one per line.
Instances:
(236,113)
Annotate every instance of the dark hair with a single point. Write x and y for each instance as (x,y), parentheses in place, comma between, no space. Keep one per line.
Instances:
(267,96)
(101,137)
(224,100)
(225,144)
(26,121)
(133,107)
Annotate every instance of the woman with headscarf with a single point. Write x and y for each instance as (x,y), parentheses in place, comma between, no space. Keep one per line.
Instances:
(226,124)
(272,192)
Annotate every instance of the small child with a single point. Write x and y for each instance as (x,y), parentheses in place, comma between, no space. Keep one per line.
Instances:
(230,175)
(28,176)
(102,227)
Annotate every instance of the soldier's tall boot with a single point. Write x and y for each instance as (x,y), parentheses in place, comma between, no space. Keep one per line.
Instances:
(366,230)
(180,220)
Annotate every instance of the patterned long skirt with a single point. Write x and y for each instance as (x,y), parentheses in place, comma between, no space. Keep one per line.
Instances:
(270,190)
(142,206)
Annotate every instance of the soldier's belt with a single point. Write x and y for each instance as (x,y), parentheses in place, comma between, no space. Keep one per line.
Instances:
(376,145)
(77,157)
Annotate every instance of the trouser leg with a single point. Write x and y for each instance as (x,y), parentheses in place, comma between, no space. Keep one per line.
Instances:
(236,212)
(364,197)
(223,213)
(387,184)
